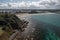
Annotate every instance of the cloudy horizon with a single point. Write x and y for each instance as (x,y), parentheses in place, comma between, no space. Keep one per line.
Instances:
(29,4)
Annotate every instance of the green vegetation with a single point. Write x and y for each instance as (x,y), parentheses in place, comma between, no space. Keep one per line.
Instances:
(33,11)
(1,31)
(8,24)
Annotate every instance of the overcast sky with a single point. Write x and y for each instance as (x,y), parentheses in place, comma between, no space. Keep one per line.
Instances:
(29,4)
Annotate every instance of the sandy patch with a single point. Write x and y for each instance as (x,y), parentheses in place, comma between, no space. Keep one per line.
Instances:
(27,14)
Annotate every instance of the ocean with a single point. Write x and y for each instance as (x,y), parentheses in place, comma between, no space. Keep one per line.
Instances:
(43,27)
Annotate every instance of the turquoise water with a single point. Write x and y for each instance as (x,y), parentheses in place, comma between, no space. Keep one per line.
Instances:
(50,35)
(53,19)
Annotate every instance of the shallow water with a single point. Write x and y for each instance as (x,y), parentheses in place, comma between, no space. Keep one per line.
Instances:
(43,27)
(48,18)
(48,27)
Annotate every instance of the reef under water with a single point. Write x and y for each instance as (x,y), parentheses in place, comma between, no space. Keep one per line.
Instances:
(50,35)
(48,27)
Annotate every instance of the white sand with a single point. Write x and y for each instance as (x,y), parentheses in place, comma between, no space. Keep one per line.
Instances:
(27,14)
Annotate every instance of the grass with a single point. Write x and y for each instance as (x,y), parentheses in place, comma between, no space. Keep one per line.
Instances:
(9,23)
(1,31)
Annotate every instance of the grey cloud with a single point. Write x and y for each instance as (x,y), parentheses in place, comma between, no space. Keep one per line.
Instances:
(38,5)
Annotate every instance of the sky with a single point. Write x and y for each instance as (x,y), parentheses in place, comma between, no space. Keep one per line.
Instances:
(29,4)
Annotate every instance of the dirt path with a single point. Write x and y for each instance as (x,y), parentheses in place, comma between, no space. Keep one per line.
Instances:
(12,37)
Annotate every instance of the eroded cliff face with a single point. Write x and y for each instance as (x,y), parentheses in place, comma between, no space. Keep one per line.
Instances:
(9,23)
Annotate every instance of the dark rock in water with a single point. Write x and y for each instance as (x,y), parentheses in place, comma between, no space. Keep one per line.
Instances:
(48,27)
(45,31)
